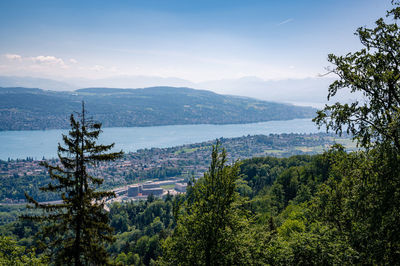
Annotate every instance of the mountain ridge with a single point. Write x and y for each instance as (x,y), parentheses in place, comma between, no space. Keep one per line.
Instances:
(29,108)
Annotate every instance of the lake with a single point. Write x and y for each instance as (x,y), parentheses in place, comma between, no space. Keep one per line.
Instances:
(39,143)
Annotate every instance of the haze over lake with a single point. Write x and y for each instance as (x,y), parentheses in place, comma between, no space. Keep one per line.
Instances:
(39,143)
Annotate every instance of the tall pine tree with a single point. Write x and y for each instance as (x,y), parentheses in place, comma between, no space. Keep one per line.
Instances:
(75,230)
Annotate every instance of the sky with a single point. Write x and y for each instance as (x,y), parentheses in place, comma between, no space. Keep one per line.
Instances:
(195,40)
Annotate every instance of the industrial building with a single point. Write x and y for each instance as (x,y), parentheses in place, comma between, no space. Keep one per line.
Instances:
(180,187)
(150,184)
(153,188)
(133,191)
(142,190)
(157,191)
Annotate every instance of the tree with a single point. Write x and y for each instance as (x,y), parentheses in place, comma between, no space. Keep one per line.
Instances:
(361,198)
(13,254)
(208,229)
(76,229)
(375,72)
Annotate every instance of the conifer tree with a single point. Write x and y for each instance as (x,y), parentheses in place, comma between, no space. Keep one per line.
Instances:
(211,222)
(75,230)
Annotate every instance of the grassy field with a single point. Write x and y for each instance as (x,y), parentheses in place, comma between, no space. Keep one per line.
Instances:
(348,143)
(168,186)
(316,149)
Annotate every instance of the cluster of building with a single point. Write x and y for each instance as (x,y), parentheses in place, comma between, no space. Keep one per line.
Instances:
(143,190)
(21,168)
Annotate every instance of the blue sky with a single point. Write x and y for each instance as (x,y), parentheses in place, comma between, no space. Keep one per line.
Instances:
(194,40)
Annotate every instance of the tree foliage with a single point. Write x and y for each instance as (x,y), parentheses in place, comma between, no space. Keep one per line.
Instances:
(374,71)
(360,200)
(208,229)
(13,254)
(75,230)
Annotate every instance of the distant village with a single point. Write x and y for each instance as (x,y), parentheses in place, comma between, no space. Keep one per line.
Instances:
(174,165)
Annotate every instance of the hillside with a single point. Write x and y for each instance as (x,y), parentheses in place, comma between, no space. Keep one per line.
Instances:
(28,109)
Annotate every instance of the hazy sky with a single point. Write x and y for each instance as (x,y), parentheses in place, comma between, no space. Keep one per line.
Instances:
(196,40)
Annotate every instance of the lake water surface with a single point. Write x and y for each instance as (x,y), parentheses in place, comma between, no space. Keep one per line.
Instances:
(39,143)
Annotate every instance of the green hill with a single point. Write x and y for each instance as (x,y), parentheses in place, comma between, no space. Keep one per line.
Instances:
(27,109)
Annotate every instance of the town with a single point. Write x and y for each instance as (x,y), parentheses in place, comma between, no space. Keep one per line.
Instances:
(181,163)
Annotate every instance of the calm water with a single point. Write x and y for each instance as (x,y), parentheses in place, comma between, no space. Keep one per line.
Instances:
(38,143)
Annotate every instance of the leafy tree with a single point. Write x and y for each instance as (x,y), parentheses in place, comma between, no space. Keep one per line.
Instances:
(361,202)
(77,228)
(208,231)
(373,71)
(361,198)
(13,254)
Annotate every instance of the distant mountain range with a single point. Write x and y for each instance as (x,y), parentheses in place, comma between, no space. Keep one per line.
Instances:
(305,92)
(28,109)
(31,82)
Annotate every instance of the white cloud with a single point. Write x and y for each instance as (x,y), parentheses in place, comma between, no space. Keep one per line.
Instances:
(52,65)
(12,57)
(285,21)
(38,60)
(50,60)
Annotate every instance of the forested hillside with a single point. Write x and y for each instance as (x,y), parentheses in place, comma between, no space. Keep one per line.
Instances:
(300,210)
(26,109)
